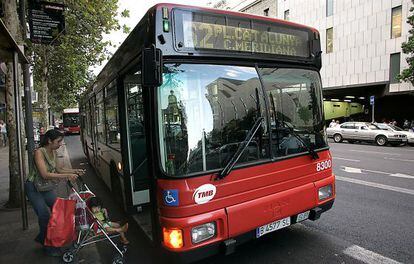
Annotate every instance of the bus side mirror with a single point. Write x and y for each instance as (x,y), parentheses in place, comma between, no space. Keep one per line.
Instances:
(151,66)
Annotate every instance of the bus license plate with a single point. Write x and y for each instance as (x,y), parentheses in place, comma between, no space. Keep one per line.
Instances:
(260,231)
(302,216)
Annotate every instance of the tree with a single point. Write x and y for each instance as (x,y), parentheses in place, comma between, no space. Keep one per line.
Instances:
(11,20)
(408,48)
(61,72)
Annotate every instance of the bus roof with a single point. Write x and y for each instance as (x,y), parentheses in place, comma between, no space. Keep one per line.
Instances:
(235,13)
(148,31)
(71,110)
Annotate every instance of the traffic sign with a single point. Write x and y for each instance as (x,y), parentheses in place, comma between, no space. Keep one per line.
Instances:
(372,100)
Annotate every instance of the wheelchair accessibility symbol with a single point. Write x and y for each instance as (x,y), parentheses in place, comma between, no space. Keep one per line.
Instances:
(171,197)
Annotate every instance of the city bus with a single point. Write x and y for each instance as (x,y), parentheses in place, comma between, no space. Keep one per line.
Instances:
(70,118)
(208,128)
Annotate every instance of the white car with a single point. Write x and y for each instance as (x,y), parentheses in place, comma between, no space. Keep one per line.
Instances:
(364,131)
(409,134)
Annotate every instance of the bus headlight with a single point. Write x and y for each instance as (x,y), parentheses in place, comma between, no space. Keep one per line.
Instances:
(173,238)
(325,192)
(203,232)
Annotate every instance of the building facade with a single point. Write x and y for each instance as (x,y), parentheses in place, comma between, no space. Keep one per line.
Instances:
(361,43)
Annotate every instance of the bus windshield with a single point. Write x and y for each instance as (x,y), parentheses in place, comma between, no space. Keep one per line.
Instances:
(206,111)
(70,119)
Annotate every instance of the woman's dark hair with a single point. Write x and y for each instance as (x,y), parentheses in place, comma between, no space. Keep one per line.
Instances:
(51,134)
(94,202)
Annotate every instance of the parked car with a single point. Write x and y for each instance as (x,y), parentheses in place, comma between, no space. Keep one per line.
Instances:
(409,134)
(363,131)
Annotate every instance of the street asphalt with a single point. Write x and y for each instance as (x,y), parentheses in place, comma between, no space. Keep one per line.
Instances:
(369,223)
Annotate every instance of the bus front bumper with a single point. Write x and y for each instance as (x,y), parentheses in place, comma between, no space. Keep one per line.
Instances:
(229,246)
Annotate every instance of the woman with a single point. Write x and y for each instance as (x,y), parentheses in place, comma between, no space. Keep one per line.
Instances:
(47,168)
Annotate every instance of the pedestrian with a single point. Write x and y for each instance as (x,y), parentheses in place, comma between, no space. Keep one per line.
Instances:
(3,131)
(333,123)
(47,170)
(337,123)
(406,124)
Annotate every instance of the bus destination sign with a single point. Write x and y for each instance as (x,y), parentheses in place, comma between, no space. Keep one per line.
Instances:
(264,39)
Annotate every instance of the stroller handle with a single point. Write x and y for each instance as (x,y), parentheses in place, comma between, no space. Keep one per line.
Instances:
(70,184)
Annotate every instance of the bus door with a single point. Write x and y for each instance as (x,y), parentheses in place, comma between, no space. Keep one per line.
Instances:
(137,153)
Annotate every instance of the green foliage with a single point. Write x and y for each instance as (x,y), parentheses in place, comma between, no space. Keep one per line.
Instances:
(408,48)
(80,47)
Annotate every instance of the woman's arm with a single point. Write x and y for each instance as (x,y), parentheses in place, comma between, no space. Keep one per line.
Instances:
(61,169)
(42,168)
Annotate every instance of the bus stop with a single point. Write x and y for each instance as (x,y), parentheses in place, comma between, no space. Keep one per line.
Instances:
(10,51)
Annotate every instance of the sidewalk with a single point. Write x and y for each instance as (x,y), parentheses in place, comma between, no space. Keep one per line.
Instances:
(17,246)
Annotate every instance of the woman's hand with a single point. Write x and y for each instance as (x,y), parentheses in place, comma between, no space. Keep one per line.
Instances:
(72,176)
(80,172)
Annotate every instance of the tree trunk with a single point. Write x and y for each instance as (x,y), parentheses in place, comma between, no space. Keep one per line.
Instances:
(11,21)
(14,189)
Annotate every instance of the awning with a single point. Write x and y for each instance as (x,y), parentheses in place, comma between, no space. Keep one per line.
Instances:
(8,45)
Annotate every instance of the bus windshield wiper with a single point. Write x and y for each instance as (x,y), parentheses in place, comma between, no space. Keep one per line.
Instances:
(242,147)
(310,149)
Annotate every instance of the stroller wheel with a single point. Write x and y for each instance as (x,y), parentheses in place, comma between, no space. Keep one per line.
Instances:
(68,257)
(124,248)
(118,260)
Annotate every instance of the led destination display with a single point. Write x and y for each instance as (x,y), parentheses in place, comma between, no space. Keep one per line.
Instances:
(263,38)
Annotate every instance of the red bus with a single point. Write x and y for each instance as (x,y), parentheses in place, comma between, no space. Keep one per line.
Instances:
(207,126)
(70,117)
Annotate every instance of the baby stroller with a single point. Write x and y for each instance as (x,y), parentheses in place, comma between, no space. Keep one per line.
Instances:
(89,229)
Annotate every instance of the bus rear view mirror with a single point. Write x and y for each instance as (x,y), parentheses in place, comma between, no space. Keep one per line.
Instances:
(151,66)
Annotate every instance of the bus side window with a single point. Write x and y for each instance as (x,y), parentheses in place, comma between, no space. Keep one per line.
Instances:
(111,114)
(100,114)
(137,138)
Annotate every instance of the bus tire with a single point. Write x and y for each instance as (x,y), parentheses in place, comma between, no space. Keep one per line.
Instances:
(116,188)
(337,138)
(381,140)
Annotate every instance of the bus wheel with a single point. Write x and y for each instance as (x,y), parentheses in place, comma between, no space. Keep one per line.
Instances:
(337,138)
(381,140)
(116,186)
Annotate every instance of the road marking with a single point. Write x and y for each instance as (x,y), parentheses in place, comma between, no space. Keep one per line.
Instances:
(351,170)
(367,256)
(401,175)
(346,159)
(398,159)
(376,152)
(376,185)
(356,170)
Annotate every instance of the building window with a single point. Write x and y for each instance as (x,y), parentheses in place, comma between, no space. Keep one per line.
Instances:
(329,40)
(266,12)
(396,22)
(394,67)
(329,8)
(286,17)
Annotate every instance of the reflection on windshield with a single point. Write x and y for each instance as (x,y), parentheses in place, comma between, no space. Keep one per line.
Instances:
(206,111)
(294,97)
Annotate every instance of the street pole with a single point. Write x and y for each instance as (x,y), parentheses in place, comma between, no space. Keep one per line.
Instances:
(28,116)
(373,120)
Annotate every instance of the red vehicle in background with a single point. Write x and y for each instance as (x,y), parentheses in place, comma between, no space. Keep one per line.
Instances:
(70,123)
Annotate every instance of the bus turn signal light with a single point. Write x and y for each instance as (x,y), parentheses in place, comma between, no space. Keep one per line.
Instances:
(173,238)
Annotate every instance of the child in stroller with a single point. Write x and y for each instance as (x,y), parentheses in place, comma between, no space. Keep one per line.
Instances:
(96,206)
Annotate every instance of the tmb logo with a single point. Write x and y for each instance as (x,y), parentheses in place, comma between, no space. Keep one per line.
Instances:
(204,193)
